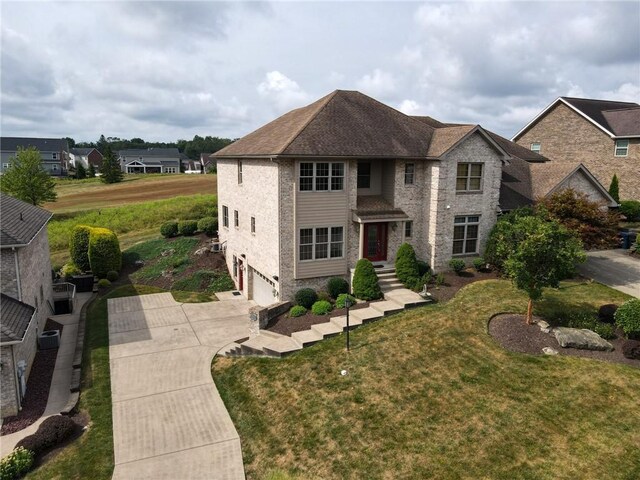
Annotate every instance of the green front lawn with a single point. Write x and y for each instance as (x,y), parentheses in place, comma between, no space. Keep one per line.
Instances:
(429,394)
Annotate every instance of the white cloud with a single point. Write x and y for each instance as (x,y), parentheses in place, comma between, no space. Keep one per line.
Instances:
(410,107)
(283,91)
(378,83)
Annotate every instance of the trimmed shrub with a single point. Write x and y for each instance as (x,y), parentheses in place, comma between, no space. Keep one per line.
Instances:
(112,275)
(606,313)
(104,283)
(406,263)
(342,299)
(321,307)
(631,210)
(337,286)
(479,264)
(169,229)
(365,281)
(423,268)
(439,280)
(104,252)
(208,225)
(51,432)
(79,246)
(306,297)
(322,295)
(631,349)
(16,464)
(68,270)
(614,188)
(457,265)
(187,227)
(297,311)
(628,317)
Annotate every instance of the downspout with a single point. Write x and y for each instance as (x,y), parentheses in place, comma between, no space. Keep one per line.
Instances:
(15,378)
(279,273)
(15,256)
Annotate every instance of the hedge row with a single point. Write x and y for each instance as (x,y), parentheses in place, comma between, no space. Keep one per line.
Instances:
(172,228)
(96,249)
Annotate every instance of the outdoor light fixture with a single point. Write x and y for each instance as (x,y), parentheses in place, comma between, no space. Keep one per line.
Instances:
(275,277)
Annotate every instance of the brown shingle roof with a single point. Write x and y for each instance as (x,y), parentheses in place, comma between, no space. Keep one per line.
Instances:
(594,109)
(446,137)
(344,123)
(19,221)
(16,317)
(624,122)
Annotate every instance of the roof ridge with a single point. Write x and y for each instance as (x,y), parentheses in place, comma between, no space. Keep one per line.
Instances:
(599,100)
(306,124)
(635,107)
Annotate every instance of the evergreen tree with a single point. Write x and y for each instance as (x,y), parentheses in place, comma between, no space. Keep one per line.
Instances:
(111,172)
(91,173)
(613,188)
(27,180)
(81,172)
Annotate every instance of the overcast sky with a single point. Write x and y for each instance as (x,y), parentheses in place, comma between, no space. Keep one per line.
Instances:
(164,70)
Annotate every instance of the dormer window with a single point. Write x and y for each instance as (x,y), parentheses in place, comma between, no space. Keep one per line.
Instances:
(622,148)
(535,147)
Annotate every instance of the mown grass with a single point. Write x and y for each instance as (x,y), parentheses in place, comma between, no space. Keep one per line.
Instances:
(429,394)
(129,221)
(91,456)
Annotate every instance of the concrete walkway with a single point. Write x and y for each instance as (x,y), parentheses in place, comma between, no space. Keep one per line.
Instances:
(168,418)
(60,383)
(615,268)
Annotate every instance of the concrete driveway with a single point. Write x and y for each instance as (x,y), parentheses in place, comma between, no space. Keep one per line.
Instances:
(615,268)
(169,421)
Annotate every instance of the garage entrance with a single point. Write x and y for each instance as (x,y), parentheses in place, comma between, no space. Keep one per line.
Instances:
(262,289)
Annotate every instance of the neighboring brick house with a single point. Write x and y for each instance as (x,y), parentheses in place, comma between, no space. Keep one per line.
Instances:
(53,151)
(85,156)
(27,295)
(602,135)
(304,197)
(150,160)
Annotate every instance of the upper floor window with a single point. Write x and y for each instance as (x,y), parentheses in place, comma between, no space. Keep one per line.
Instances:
(469,177)
(465,235)
(236,219)
(409,173)
(253,224)
(622,148)
(408,229)
(54,156)
(364,174)
(321,243)
(225,216)
(321,176)
(239,171)
(535,147)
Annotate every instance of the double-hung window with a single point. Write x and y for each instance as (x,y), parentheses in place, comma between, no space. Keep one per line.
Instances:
(469,177)
(364,174)
(622,148)
(236,219)
(239,172)
(409,173)
(321,176)
(408,229)
(465,235)
(253,224)
(535,147)
(321,243)
(225,216)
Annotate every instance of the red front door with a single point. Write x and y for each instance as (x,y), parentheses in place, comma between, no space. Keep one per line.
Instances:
(375,241)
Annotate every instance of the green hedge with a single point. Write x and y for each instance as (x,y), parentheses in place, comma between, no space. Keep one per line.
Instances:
(104,252)
(365,281)
(627,317)
(208,225)
(79,246)
(406,264)
(187,227)
(16,464)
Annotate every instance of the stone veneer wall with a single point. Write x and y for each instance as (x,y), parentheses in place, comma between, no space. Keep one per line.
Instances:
(567,137)
(581,183)
(8,400)
(8,277)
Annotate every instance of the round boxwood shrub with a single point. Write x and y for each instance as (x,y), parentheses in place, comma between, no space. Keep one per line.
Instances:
(321,307)
(16,464)
(187,227)
(406,263)
(104,283)
(169,229)
(628,318)
(457,265)
(631,349)
(306,297)
(112,275)
(104,252)
(68,270)
(342,298)
(606,313)
(51,432)
(337,286)
(365,281)
(297,311)
(479,264)
(79,246)
(208,225)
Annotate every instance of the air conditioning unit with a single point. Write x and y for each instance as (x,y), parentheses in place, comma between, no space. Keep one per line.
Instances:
(49,339)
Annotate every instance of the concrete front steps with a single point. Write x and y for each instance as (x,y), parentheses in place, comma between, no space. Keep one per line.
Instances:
(396,299)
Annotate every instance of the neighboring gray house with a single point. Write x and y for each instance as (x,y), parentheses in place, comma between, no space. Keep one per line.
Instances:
(27,294)
(150,160)
(53,151)
(304,197)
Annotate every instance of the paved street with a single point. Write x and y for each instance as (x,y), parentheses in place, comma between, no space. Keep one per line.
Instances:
(615,268)
(169,421)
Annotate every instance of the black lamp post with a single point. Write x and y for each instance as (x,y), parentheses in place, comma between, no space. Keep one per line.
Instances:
(347,304)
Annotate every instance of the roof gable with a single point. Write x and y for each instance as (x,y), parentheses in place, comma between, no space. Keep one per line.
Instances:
(16,317)
(20,222)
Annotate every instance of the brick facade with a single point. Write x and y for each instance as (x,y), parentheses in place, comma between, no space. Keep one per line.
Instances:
(565,136)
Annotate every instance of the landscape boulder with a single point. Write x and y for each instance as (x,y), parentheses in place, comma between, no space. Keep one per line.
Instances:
(580,338)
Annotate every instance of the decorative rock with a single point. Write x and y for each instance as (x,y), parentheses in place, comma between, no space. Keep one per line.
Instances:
(549,351)
(139,263)
(166,253)
(202,251)
(581,339)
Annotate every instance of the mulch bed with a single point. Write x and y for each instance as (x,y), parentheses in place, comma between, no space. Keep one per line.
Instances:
(38,385)
(286,325)
(513,334)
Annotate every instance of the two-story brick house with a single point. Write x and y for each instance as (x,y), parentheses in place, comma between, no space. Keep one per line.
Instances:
(304,197)
(27,295)
(602,135)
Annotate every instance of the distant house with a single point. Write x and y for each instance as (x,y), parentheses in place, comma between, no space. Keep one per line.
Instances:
(602,135)
(208,162)
(53,151)
(27,295)
(84,157)
(150,160)
(192,166)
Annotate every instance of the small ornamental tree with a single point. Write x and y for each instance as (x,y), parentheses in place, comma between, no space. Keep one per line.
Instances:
(365,281)
(547,254)
(104,252)
(614,190)
(27,180)
(79,246)
(91,172)
(406,264)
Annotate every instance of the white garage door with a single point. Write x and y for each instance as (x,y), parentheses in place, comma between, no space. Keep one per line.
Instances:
(262,292)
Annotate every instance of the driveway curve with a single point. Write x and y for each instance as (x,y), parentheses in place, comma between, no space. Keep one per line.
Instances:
(168,419)
(614,268)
